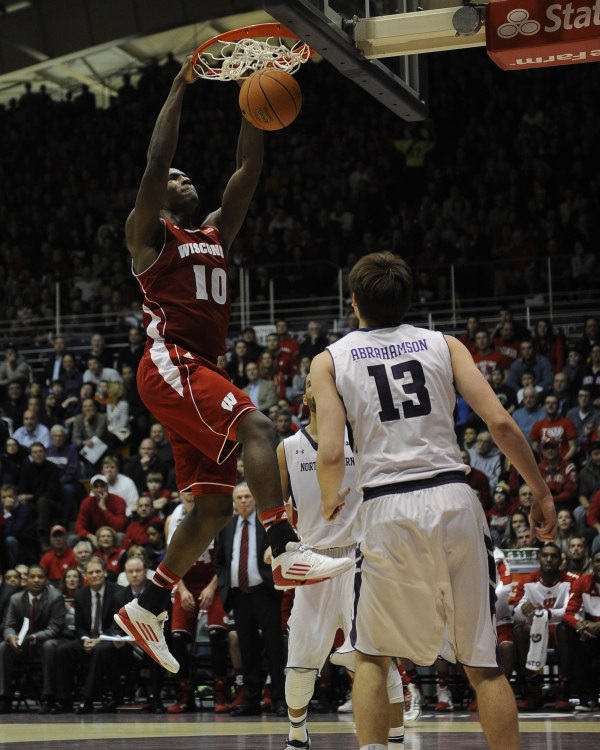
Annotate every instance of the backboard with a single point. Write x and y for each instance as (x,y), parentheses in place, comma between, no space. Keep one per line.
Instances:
(399,81)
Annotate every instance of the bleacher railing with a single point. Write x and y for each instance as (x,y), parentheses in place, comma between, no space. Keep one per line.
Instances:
(445,295)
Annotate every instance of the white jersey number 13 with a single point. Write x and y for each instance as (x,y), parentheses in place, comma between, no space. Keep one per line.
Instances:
(416,387)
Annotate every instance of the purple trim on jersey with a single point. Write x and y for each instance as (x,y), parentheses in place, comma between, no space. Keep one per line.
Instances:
(308,437)
(448,477)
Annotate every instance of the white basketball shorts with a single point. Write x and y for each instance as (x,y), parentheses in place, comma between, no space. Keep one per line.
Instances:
(318,611)
(428,575)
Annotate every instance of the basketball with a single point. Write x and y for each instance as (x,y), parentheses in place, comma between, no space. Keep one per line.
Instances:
(270,99)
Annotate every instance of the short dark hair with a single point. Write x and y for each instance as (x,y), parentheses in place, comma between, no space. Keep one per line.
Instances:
(545,545)
(382,284)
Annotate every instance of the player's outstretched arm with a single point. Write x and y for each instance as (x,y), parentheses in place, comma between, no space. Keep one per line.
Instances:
(143,224)
(475,389)
(332,422)
(241,186)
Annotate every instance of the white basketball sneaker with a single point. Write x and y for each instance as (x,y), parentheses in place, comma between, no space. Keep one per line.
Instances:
(301,564)
(412,703)
(147,629)
(298,744)
(346,708)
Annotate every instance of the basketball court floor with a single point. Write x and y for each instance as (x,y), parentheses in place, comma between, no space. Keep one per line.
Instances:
(458,730)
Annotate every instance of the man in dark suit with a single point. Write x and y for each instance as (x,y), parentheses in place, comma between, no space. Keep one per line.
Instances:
(95,605)
(39,485)
(132,353)
(8,587)
(248,590)
(45,609)
(137,578)
(53,369)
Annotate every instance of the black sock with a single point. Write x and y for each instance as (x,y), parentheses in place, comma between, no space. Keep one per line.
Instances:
(279,535)
(154,598)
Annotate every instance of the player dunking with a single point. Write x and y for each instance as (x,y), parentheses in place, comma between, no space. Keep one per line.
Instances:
(319,610)
(182,271)
(428,571)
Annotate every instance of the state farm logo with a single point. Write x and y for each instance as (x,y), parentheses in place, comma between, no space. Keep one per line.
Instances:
(557,17)
(518,22)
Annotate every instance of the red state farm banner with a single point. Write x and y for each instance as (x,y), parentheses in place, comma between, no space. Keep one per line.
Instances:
(524,34)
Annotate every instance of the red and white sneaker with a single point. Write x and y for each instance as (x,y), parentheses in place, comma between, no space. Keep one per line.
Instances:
(444,700)
(300,565)
(238,698)
(147,629)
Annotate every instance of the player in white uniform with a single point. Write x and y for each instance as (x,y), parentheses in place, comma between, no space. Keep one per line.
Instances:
(320,609)
(427,555)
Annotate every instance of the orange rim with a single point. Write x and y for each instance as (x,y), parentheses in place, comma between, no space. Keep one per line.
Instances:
(256,30)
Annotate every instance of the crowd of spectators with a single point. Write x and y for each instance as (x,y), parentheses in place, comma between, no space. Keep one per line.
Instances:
(86,472)
(504,184)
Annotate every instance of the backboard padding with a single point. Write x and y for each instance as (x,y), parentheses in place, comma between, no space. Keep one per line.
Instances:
(399,83)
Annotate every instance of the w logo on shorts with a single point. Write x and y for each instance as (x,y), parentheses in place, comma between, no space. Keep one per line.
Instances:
(229,402)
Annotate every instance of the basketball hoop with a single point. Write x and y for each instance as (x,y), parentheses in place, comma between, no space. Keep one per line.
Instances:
(236,53)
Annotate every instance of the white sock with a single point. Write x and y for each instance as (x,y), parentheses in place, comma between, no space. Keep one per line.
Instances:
(395,738)
(374,747)
(298,728)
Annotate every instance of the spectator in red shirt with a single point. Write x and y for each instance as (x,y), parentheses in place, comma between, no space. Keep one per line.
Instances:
(101,508)
(60,557)
(468,337)
(287,342)
(135,533)
(583,620)
(558,429)
(593,512)
(284,359)
(550,344)
(560,476)
(485,357)
(507,344)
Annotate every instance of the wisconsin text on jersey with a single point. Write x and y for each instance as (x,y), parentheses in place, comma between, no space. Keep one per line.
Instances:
(199,248)
(389,352)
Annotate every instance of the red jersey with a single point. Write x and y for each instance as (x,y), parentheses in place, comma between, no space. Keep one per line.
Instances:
(510,350)
(487,362)
(561,481)
(468,342)
(55,563)
(91,516)
(593,512)
(136,532)
(186,292)
(584,602)
(561,430)
(554,598)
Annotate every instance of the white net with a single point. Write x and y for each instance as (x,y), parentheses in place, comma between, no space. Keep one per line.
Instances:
(237,59)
